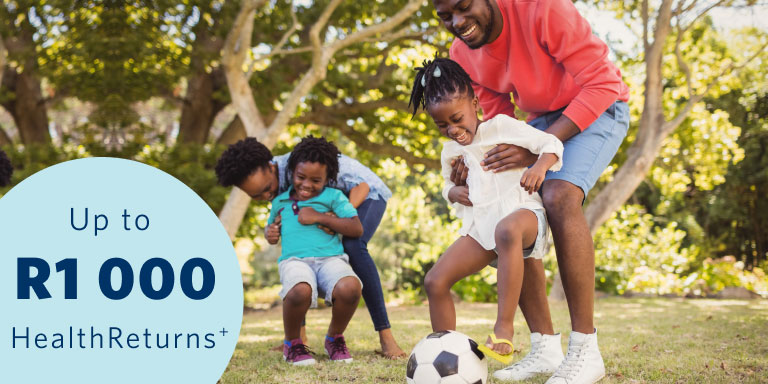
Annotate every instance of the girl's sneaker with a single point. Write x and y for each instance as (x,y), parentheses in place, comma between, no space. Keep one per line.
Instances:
(337,349)
(296,353)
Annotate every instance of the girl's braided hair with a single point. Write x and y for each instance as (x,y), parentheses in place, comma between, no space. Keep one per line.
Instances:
(438,80)
(316,150)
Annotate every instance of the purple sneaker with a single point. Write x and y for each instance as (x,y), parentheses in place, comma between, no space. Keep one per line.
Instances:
(297,353)
(337,349)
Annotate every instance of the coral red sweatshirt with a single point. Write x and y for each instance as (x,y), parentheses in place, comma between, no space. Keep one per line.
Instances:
(547,58)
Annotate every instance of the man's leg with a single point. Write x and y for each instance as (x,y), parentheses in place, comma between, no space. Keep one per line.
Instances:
(576,258)
(533,298)
(574,249)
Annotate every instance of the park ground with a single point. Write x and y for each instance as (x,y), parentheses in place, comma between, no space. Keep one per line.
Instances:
(642,341)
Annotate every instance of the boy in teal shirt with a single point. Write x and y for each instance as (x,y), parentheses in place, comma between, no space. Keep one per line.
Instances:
(312,260)
(308,240)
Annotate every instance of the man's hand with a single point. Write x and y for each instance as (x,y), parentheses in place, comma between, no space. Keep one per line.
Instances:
(272,232)
(459,171)
(507,156)
(309,216)
(460,194)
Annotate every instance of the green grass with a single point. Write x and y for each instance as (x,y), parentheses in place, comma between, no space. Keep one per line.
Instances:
(642,340)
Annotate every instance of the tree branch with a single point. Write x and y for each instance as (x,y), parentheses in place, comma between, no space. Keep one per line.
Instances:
(236,46)
(322,21)
(411,7)
(278,48)
(681,10)
(645,25)
(2,59)
(702,13)
(322,54)
(335,117)
(391,150)
(404,33)
(682,63)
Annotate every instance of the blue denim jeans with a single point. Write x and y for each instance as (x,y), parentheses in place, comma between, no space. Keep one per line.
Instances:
(370,213)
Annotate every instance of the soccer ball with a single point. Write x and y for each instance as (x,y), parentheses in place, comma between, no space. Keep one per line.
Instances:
(446,357)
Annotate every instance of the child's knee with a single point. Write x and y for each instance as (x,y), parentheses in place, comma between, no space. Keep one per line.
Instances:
(434,283)
(300,294)
(347,290)
(508,235)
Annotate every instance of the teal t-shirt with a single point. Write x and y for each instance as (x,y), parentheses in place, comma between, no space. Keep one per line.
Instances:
(301,240)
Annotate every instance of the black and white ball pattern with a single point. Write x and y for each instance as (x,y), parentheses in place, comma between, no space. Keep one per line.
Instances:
(446,357)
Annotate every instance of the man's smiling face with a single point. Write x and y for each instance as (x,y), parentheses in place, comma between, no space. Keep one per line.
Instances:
(475,22)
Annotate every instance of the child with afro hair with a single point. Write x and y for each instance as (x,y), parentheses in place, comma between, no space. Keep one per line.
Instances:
(250,166)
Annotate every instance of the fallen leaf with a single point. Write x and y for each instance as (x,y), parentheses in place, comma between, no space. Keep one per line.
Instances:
(618,375)
(635,348)
(675,326)
(709,317)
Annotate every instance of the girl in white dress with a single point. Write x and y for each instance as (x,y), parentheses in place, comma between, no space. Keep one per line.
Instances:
(503,219)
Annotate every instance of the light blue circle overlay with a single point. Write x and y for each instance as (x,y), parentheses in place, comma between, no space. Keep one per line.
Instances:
(95,339)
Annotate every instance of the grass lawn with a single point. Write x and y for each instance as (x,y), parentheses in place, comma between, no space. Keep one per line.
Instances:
(642,340)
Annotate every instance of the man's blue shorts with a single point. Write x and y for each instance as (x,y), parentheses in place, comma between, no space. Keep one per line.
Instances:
(587,154)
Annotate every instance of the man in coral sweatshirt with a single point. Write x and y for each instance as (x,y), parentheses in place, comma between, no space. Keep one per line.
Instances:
(543,54)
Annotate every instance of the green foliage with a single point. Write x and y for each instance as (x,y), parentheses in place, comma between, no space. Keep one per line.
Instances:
(28,160)
(193,165)
(715,275)
(635,254)
(412,234)
(734,220)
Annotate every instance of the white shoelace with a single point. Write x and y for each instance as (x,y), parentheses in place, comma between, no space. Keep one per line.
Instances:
(528,360)
(572,363)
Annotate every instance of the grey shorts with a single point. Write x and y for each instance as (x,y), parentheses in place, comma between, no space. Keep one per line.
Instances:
(541,245)
(321,273)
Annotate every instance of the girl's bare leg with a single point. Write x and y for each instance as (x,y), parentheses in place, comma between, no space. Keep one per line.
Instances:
(513,233)
(463,258)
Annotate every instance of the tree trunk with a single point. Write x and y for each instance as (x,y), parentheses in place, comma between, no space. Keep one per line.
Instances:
(234,132)
(4,138)
(27,107)
(200,106)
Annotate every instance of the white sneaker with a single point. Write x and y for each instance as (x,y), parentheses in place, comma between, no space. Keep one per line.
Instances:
(545,356)
(583,363)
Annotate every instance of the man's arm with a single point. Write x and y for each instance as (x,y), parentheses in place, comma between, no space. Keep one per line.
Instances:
(358,194)
(508,156)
